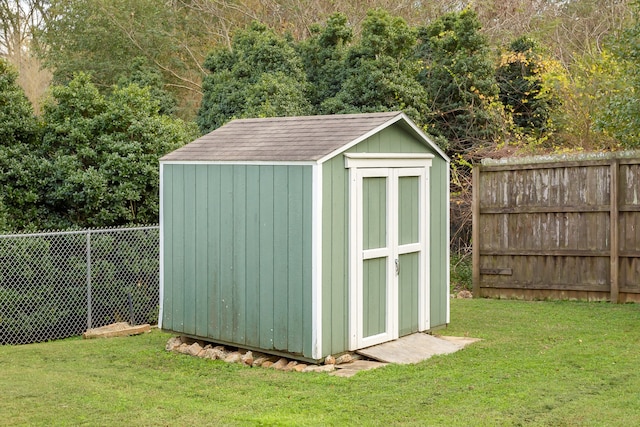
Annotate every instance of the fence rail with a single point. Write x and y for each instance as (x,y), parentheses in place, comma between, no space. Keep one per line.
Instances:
(58,284)
(558,229)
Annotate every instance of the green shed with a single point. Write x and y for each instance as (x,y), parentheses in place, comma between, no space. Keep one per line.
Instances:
(305,236)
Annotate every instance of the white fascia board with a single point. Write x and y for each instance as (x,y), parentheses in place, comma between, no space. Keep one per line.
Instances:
(360,139)
(239,162)
(424,136)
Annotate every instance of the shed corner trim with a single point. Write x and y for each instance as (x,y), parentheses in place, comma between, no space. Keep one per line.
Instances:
(316,263)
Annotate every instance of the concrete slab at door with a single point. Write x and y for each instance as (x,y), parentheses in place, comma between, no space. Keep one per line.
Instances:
(412,348)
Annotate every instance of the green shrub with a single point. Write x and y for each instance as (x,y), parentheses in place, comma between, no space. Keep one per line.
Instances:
(461,272)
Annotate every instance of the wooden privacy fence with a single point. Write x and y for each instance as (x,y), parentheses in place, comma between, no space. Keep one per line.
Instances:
(560,227)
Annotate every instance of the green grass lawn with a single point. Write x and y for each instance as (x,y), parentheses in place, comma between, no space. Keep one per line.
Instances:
(539,363)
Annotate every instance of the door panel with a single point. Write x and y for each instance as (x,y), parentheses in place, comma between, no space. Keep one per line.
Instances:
(408,277)
(408,209)
(374,297)
(374,212)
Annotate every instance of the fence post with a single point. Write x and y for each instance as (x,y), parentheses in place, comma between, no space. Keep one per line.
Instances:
(89,280)
(475,229)
(614,217)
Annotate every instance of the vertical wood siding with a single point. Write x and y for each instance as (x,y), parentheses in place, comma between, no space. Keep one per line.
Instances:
(558,230)
(335,274)
(439,242)
(237,254)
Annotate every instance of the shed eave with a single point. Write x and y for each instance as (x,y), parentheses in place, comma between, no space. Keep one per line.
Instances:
(423,136)
(406,123)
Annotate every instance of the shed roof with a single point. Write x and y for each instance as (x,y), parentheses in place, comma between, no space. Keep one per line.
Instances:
(305,138)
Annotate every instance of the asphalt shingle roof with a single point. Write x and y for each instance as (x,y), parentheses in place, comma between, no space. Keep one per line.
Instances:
(280,138)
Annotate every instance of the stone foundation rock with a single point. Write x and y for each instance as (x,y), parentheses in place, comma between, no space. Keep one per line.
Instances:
(250,358)
(344,358)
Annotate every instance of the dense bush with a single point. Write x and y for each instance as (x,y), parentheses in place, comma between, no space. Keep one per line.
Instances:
(259,75)
(91,159)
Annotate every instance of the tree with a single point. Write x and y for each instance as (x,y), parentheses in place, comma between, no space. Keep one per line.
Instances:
(93,161)
(521,79)
(4,217)
(264,74)
(583,28)
(260,75)
(323,55)
(20,166)
(299,17)
(458,76)
(585,90)
(103,154)
(23,173)
(104,37)
(17,122)
(621,118)
(380,71)
(19,20)
(144,75)
(505,20)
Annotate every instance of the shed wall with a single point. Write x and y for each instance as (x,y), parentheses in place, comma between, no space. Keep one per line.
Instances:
(335,233)
(237,254)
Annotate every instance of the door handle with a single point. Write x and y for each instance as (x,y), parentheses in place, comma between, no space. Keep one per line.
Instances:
(397,266)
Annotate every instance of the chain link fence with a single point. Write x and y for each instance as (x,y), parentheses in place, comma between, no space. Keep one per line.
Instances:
(59,284)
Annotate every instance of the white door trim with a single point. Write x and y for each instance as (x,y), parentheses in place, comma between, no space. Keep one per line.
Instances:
(387,160)
(392,166)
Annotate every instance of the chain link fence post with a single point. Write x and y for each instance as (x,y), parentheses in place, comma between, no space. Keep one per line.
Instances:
(88,280)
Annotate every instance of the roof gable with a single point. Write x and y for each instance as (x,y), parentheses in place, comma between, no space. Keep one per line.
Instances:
(286,139)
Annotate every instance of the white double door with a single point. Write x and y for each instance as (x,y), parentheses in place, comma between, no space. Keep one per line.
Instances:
(389,292)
